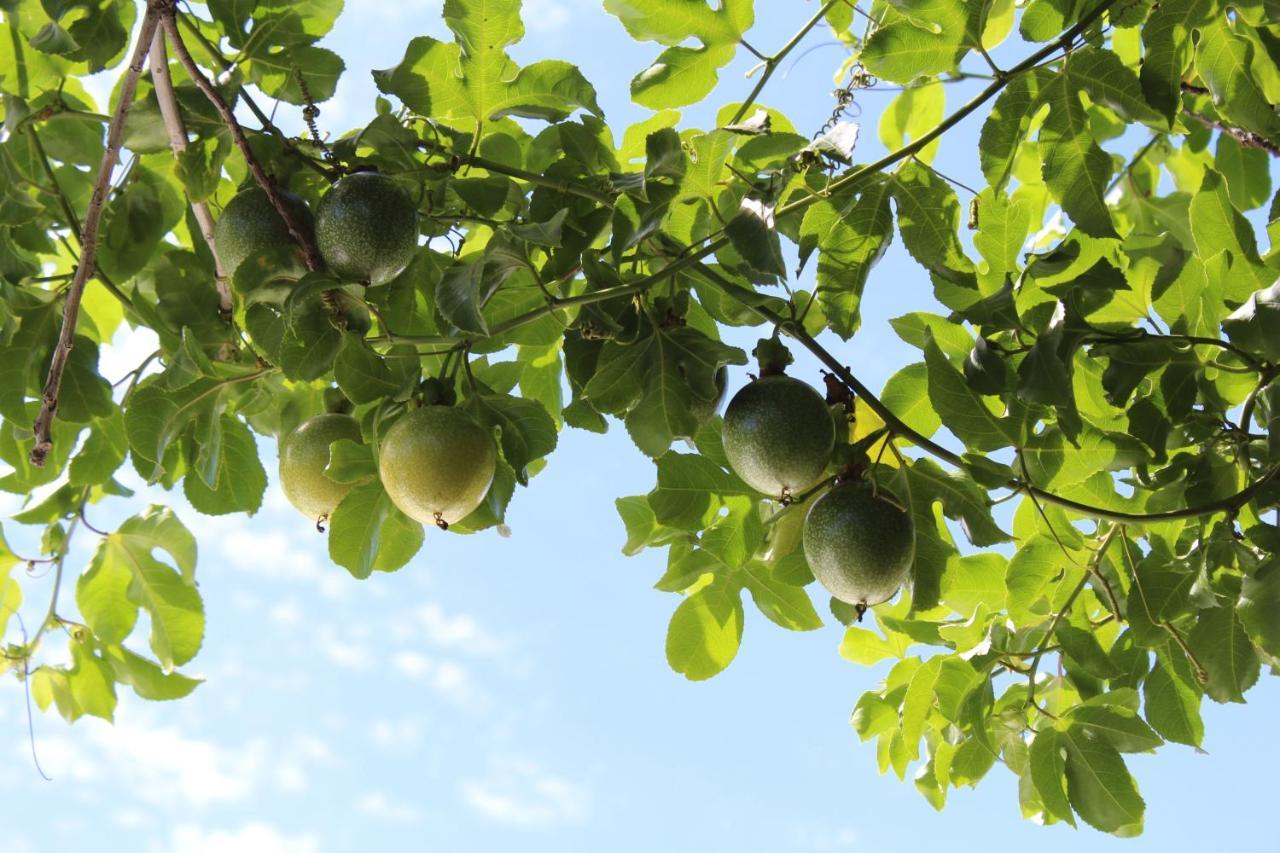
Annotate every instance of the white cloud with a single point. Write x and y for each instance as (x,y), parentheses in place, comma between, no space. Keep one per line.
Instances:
(376,804)
(250,838)
(545,16)
(519,793)
(396,735)
(461,632)
(814,837)
(412,664)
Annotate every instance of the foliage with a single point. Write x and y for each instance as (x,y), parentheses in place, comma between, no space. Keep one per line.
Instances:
(1101,354)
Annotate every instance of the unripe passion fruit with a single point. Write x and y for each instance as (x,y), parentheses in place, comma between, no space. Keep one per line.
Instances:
(437,464)
(778,435)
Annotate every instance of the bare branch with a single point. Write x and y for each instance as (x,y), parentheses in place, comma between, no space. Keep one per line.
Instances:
(1246,138)
(299,235)
(177,130)
(43,427)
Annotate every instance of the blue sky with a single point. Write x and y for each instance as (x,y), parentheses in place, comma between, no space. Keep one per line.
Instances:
(511,693)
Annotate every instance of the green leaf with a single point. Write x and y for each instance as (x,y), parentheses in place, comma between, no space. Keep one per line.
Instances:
(1172,698)
(1227,64)
(1048,765)
(687,483)
(460,295)
(363,376)
(1110,82)
(527,432)
(961,498)
(1116,725)
(1099,785)
(752,234)
(918,38)
(239,480)
(125,575)
(1223,648)
(974,580)
(786,606)
(907,396)
(1259,606)
(929,219)
(146,678)
(350,462)
(367,532)
(91,682)
(964,411)
(1007,124)
(1075,169)
(705,632)
(1083,649)
(850,240)
(1167,37)
(1255,325)
(682,75)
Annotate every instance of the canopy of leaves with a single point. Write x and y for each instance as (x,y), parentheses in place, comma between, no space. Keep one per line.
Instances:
(1101,352)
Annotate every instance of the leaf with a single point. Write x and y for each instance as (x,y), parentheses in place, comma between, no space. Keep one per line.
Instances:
(705,632)
(238,476)
(1259,606)
(460,296)
(686,485)
(682,75)
(1083,649)
(1223,648)
(918,38)
(961,498)
(362,375)
(1109,81)
(1048,766)
(785,605)
(974,580)
(964,411)
(146,678)
(850,241)
(124,575)
(907,396)
(527,432)
(753,236)
(1226,62)
(1172,698)
(1099,785)
(1116,725)
(929,219)
(1007,124)
(1075,169)
(367,532)
(1167,37)
(1255,325)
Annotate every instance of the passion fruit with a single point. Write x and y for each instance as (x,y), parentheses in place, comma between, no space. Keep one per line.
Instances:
(249,224)
(778,435)
(437,464)
(304,453)
(367,228)
(859,543)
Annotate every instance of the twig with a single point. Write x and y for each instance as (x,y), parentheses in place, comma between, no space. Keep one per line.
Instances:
(177,131)
(1246,138)
(43,427)
(299,235)
(771,63)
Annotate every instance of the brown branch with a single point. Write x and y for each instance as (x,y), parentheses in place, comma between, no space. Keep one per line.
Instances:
(177,131)
(1246,138)
(43,427)
(299,235)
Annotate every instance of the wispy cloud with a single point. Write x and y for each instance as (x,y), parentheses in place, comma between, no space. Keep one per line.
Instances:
(520,793)
(378,805)
(250,838)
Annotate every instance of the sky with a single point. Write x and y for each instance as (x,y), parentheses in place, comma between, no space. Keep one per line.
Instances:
(512,693)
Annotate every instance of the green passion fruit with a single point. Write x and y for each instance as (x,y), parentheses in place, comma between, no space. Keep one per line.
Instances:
(304,453)
(859,543)
(778,435)
(437,464)
(367,228)
(249,224)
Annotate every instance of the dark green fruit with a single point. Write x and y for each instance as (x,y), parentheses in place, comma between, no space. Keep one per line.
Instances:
(304,453)
(249,224)
(859,544)
(367,228)
(437,464)
(778,435)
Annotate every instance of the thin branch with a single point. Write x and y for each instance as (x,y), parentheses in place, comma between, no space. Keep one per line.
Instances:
(177,131)
(771,63)
(299,235)
(1246,138)
(43,427)
(567,187)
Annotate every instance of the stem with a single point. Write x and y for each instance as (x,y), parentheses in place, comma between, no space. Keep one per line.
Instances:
(771,63)
(177,131)
(1247,139)
(1202,674)
(89,244)
(300,236)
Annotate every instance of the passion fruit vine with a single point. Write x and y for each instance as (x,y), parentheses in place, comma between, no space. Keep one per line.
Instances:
(778,435)
(437,464)
(859,544)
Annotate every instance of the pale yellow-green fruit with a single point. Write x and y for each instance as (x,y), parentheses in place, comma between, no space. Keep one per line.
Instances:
(437,464)
(304,453)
